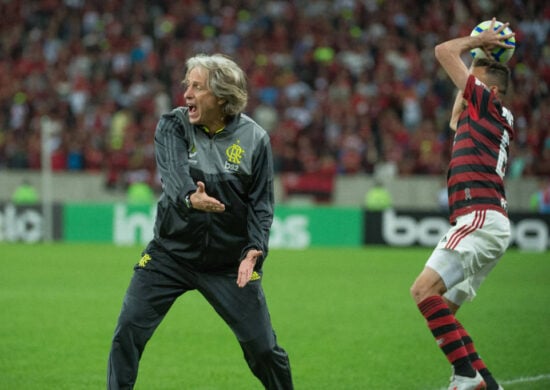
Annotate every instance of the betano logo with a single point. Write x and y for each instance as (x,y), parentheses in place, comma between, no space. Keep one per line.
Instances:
(405,230)
(21,224)
(132,227)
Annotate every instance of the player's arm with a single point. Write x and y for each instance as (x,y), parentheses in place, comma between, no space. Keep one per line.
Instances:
(172,161)
(260,212)
(458,106)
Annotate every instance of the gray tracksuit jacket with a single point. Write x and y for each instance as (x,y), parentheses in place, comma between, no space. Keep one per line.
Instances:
(236,166)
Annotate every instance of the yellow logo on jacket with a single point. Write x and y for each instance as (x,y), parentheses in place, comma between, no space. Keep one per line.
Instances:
(144,260)
(234,155)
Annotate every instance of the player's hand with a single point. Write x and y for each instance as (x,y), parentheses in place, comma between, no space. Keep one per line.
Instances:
(247,267)
(492,37)
(204,202)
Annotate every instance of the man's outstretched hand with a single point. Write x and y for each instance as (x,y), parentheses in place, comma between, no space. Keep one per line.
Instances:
(204,202)
(247,267)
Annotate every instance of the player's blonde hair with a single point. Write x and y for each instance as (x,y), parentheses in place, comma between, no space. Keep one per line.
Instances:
(225,79)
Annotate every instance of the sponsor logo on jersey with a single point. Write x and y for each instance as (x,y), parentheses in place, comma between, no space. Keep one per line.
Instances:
(234,155)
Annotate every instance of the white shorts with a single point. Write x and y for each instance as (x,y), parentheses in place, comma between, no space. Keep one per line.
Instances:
(469,251)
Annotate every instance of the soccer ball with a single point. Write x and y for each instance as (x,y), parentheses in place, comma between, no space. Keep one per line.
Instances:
(500,54)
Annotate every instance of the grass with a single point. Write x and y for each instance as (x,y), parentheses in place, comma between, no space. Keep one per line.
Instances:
(344,316)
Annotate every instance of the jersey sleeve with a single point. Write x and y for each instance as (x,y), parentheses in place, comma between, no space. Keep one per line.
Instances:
(260,200)
(484,104)
(477,95)
(171,152)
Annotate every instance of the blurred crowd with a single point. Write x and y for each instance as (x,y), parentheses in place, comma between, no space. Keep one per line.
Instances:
(343,86)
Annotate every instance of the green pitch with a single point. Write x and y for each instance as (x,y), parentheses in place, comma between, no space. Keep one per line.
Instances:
(344,316)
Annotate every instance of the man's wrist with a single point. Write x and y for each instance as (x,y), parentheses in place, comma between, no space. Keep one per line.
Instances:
(187,201)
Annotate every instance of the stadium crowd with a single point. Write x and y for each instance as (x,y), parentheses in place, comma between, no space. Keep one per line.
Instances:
(342,86)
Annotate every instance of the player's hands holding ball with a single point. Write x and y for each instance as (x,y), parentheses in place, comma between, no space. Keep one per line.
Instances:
(497,40)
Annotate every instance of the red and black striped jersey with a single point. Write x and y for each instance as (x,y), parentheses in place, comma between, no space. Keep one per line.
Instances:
(475,179)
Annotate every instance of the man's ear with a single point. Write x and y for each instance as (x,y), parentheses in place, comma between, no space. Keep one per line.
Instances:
(221,101)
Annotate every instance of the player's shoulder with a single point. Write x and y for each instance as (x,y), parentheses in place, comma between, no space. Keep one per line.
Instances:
(474,83)
(246,124)
(173,120)
(178,114)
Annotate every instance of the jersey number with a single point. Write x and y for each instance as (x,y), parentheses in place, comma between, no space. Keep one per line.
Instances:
(503,155)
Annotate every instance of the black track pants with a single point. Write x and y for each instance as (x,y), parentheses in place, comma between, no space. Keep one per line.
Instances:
(153,289)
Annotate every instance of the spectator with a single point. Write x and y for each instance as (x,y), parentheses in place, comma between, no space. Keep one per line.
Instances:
(378,198)
(540,200)
(25,194)
(442,196)
(140,192)
(358,71)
